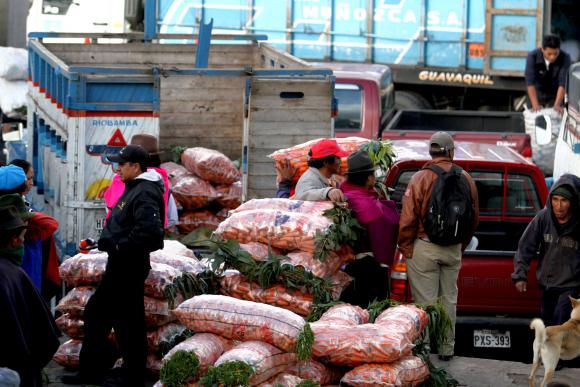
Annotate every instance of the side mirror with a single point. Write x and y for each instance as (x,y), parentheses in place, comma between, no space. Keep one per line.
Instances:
(543,129)
(12,131)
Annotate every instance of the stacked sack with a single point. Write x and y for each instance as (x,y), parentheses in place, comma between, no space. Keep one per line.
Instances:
(288,228)
(206,186)
(298,154)
(378,353)
(170,281)
(13,86)
(257,342)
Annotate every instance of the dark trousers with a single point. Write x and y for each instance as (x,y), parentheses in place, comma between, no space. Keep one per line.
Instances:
(118,304)
(556,306)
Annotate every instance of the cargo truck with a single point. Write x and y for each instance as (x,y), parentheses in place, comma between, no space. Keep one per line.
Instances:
(243,98)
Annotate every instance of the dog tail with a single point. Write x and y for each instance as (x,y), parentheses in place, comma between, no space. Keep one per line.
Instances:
(538,325)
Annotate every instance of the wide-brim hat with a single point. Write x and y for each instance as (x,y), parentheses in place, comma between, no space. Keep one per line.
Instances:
(10,219)
(148,141)
(16,201)
(359,162)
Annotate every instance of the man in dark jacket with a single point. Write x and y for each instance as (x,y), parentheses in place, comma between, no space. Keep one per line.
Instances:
(554,233)
(546,73)
(29,333)
(133,230)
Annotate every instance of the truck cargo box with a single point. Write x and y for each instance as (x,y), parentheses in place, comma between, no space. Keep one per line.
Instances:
(86,101)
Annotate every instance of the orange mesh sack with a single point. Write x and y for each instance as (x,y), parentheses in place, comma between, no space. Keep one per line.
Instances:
(315,371)
(67,355)
(266,360)
(84,269)
(408,371)
(283,380)
(206,346)
(339,280)
(158,312)
(282,229)
(230,196)
(162,339)
(298,154)
(174,172)
(321,269)
(350,345)
(173,247)
(345,314)
(75,301)
(259,251)
(192,192)
(161,276)
(73,327)
(241,320)
(407,319)
(210,165)
(299,206)
(182,263)
(235,285)
(192,220)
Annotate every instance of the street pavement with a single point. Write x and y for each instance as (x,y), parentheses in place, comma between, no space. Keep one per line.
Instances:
(468,371)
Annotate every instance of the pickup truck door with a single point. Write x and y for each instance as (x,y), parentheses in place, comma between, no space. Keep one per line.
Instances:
(280,113)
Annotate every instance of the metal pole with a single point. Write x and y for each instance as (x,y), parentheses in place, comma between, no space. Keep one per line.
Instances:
(150,20)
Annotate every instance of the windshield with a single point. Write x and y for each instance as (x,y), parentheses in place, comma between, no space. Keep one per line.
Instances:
(349,107)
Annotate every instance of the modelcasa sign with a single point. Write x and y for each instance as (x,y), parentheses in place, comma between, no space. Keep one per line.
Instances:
(455,77)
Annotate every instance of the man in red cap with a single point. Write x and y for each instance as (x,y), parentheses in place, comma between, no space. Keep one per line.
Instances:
(324,161)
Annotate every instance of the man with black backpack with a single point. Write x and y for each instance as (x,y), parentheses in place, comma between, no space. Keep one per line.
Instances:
(440,214)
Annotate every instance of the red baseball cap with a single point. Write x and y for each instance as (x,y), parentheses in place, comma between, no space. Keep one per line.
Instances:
(327,147)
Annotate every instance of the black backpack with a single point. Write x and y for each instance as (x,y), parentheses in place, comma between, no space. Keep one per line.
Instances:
(449,216)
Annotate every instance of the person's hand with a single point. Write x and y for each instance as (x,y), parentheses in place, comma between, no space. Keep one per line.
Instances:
(336,195)
(521,286)
(285,170)
(536,107)
(559,109)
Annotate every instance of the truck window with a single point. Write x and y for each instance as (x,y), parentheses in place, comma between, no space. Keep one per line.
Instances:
(490,191)
(349,107)
(522,197)
(56,7)
(400,187)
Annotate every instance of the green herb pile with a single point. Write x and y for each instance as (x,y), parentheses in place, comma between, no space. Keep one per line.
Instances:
(180,369)
(230,374)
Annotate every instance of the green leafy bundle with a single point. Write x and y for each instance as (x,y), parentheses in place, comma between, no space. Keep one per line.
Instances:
(166,346)
(304,343)
(377,307)
(382,153)
(344,230)
(176,152)
(180,369)
(230,374)
(188,285)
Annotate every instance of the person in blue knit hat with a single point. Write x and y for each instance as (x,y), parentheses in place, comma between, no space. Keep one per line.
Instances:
(12,178)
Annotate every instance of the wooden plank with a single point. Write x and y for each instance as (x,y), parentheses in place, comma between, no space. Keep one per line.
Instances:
(271,87)
(208,119)
(280,115)
(221,131)
(267,142)
(288,128)
(202,107)
(232,149)
(202,82)
(229,95)
(310,102)
(261,193)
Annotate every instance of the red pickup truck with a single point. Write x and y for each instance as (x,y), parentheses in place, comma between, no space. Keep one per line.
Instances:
(493,317)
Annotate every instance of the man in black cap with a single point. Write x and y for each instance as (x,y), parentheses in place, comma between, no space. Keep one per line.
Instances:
(433,265)
(133,230)
(29,333)
(554,232)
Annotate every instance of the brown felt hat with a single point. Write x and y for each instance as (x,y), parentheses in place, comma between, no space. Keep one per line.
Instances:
(148,142)
(10,219)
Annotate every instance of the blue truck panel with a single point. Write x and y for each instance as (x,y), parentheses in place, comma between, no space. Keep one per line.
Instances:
(421,33)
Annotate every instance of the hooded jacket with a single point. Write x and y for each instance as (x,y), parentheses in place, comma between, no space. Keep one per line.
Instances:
(135,226)
(556,246)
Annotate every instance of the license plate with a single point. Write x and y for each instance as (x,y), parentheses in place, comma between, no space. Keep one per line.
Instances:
(485,338)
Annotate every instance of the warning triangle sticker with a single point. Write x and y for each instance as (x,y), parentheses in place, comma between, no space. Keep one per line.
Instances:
(117,139)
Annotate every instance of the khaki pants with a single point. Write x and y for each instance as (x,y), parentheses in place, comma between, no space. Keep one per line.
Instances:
(433,272)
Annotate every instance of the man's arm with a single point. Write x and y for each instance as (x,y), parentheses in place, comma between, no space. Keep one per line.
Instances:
(559,99)
(530,75)
(409,222)
(528,247)
(148,227)
(533,96)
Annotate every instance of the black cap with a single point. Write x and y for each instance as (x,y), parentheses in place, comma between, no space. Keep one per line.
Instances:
(359,162)
(130,154)
(10,219)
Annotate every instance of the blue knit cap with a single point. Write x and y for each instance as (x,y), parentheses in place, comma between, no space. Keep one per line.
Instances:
(11,177)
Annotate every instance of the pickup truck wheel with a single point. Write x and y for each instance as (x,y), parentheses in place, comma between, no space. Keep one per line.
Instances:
(409,100)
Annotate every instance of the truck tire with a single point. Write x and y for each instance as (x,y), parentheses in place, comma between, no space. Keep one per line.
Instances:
(409,100)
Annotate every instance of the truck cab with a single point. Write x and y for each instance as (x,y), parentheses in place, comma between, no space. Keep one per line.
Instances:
(366,98)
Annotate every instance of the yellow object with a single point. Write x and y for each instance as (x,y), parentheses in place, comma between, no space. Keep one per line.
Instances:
(97,189)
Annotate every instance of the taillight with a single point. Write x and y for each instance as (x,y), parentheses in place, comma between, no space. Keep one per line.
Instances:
(527,151)
(399,283)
